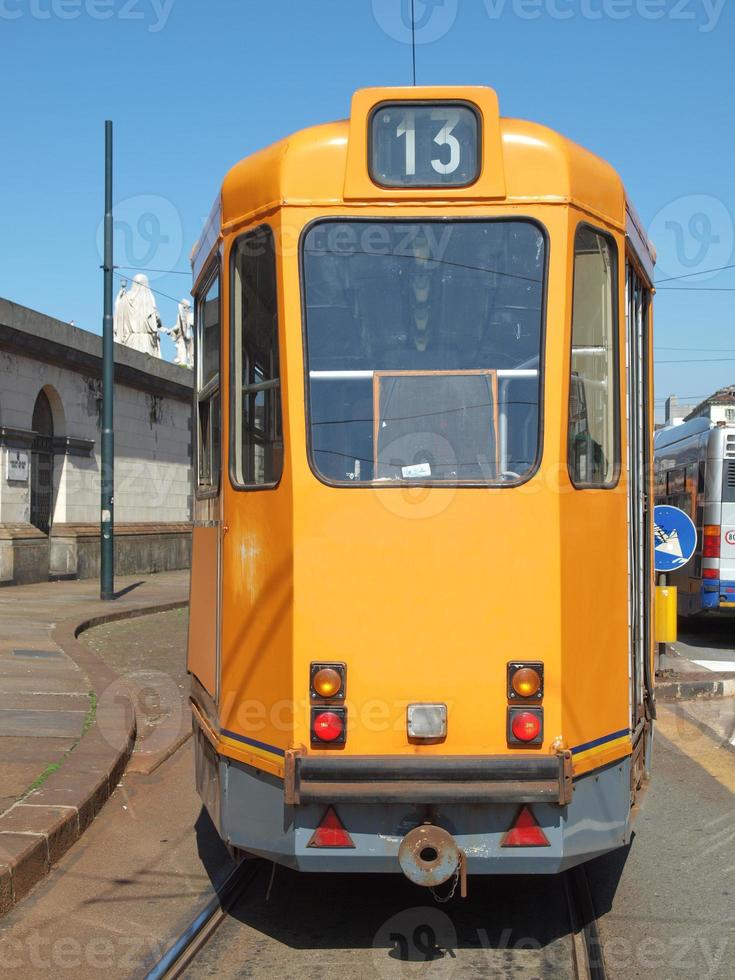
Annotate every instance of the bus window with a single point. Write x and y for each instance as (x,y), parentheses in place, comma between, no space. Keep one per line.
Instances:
(593,452)
(208,397)
(728,481)
(257,428)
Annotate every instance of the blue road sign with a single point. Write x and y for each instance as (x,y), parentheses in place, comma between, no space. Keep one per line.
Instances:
(674,538)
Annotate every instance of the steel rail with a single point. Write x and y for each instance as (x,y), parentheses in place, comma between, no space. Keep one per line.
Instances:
(200,930)
(589,962)
(587,952)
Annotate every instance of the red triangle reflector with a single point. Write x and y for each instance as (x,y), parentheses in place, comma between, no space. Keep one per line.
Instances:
(525,832)
(331,832)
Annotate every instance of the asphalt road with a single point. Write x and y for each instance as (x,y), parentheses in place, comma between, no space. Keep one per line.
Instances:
(707,640)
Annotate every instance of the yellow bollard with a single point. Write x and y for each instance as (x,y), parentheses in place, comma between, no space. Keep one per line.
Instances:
(665,620)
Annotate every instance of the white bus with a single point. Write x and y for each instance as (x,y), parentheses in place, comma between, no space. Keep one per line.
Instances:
(695,471)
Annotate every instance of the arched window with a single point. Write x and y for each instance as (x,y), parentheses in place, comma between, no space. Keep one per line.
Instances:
(43,418)
(42,463)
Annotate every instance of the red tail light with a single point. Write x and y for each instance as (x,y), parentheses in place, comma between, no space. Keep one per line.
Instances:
(525,831)
(710,573)
(328,727)
(711,542)
(330,832)
(525,726)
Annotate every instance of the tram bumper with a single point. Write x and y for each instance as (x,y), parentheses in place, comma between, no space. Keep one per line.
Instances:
(278,819)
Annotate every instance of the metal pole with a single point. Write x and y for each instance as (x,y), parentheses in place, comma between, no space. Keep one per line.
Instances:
(663,580)
(107,525)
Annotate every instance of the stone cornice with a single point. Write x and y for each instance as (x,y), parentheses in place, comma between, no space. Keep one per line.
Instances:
(20,531)
(69,446)
(121,529)
(16,438)
(43,338)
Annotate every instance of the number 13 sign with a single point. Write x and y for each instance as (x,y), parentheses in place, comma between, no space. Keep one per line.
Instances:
(414,145)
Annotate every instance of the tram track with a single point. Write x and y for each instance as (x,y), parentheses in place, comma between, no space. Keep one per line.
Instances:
(588,955)
(586,961)
(201,928)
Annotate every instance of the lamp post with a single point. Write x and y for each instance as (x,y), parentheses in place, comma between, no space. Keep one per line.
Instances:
(107,524)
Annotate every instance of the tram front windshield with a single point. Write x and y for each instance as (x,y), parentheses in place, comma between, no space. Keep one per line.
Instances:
(424,350)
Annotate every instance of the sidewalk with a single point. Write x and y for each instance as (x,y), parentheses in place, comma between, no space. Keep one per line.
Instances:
(63,741)
(704,690)
(678,677)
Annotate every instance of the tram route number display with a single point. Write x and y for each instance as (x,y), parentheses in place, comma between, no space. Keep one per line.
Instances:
(416,145)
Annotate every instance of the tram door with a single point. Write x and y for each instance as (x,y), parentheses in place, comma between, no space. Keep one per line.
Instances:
(42,464)
(638,305)
(204,606)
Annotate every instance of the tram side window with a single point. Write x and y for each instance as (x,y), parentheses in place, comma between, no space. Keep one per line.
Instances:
(257,425)
(208,393)
(593,394)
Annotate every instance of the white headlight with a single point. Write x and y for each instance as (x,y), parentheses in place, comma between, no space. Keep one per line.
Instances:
(427,720)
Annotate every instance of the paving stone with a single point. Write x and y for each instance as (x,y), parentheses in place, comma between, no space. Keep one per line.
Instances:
(44,702)
(27,857)
(86,790)
(47,701)
(6,889)
(39,654)
(41,724)
(58,825)
(11,666)
(45,684)
(36,750)
(18,777)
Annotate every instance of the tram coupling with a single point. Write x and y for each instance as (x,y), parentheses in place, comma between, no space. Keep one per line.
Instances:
(429,856)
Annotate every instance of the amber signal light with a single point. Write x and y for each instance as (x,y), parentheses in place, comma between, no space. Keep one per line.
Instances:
(525,681)
(328,681)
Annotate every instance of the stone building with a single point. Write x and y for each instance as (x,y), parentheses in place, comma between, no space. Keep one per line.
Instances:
(718,408)
(50,410)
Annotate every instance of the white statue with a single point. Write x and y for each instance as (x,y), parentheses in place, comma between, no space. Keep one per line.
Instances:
(183,335)
(119,324)
(137,320)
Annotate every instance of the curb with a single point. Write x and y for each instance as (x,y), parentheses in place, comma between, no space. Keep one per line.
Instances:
(38,830)
(720,686)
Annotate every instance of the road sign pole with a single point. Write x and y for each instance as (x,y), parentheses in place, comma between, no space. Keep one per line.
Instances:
(675,541)
(107,524)
(663,581)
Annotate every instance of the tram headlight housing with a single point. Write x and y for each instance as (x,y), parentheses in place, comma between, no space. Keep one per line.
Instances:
(525,681)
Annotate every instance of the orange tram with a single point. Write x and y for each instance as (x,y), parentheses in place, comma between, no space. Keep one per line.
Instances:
(420,635)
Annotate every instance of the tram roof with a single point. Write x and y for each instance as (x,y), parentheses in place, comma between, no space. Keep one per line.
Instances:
(325,167)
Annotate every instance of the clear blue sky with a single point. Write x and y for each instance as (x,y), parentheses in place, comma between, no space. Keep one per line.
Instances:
(192,86)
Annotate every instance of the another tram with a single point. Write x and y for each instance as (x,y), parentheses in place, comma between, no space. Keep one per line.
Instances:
(695,471)
(420,634)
